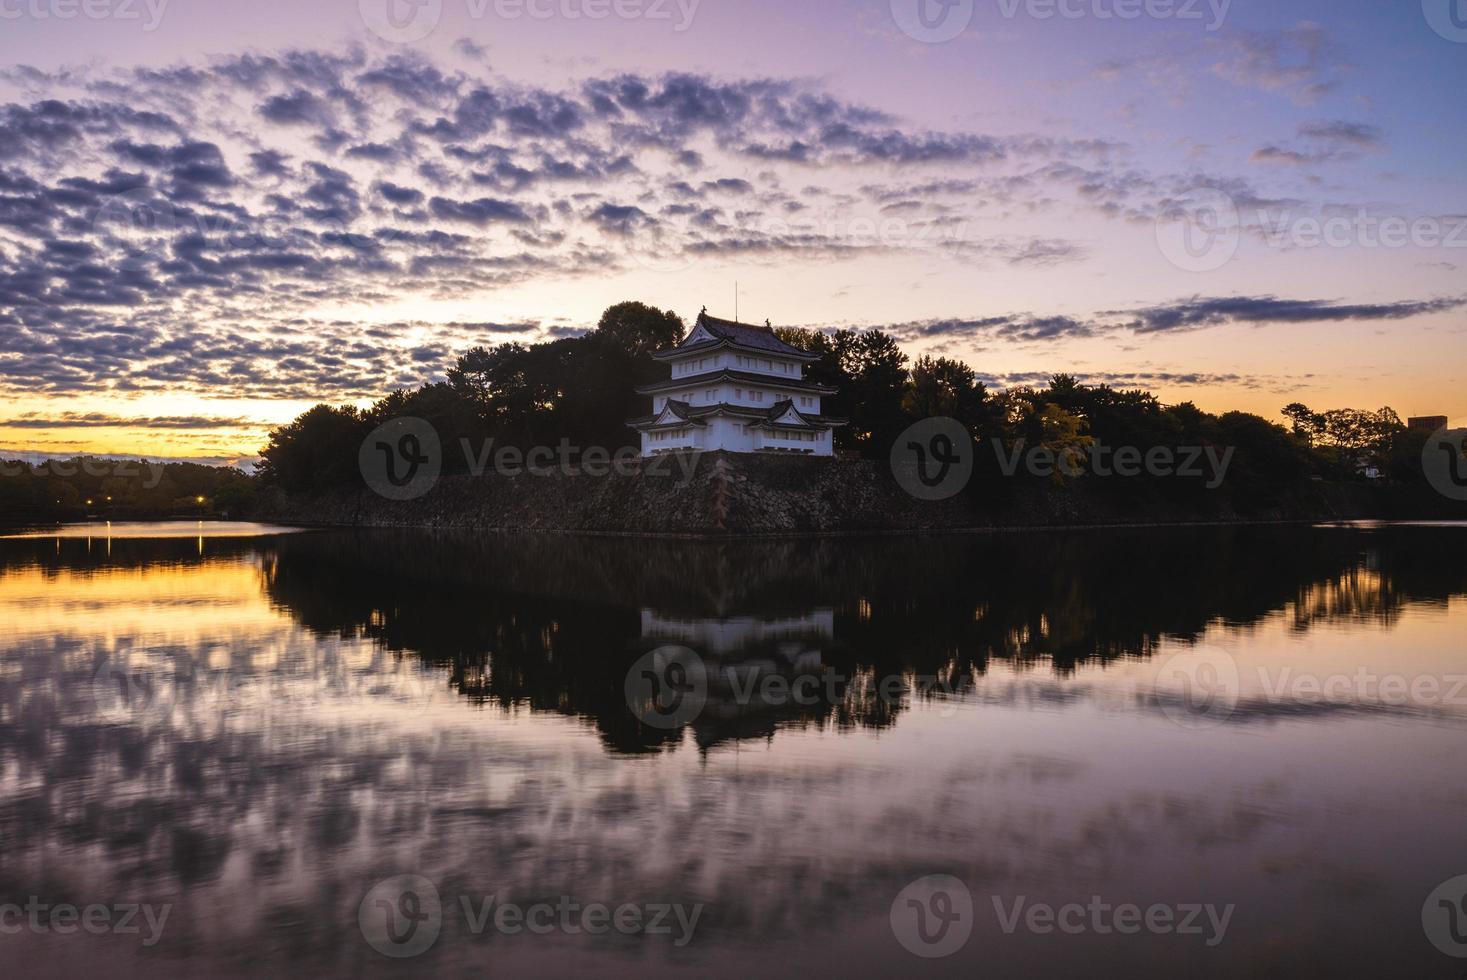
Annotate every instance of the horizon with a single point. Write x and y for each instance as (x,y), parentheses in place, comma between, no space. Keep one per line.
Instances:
(211,223)
(249,462)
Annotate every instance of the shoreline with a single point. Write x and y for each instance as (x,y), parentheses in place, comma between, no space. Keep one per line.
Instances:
(844,533)
(731,496)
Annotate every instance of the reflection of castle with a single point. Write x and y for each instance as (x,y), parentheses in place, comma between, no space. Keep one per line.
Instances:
(743,637)
(751,663)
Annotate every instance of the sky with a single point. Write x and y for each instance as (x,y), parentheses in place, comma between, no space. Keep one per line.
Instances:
(213,216)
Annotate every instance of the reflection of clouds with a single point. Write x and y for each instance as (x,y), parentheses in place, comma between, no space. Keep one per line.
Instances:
(1266,709)
(259,822)
(336,755)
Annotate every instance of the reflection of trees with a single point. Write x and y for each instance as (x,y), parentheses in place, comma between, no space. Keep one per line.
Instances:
(554,622)
(300,810)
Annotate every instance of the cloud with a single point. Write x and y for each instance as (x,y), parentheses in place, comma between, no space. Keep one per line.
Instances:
(1354,134)
(180,227)
(1021,328)
(1199,312)
(1331,140)
(95,420)
(1301,61)
(478,212)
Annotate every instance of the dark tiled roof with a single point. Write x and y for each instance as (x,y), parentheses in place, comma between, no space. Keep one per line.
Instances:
(728,374)
(695,413)
(743,335)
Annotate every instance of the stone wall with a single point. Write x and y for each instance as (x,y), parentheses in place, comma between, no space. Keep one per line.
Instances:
(720,494)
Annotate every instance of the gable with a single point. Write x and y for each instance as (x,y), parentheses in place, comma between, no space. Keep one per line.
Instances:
(699,335)
(667,416)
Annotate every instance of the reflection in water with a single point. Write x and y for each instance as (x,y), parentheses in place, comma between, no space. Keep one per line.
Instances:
(259,729)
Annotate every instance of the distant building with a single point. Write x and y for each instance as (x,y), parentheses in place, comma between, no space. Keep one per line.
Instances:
(1429,422)
(738,388)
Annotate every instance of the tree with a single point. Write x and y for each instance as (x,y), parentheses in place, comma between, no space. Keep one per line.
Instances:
(639,329)
(877,371)
(315,452)
(1063,433)
(1307,424)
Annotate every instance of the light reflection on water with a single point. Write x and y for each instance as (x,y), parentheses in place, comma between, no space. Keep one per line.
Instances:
(260,733)
(120,530)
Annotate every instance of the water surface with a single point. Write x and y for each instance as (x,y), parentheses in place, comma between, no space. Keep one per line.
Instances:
(256,729)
